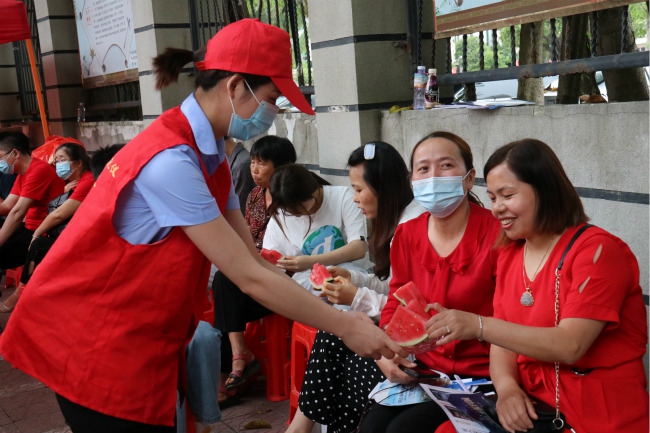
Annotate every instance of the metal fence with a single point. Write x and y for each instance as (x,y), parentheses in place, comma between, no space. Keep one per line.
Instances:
(502,67)
(209,16)
(26,89)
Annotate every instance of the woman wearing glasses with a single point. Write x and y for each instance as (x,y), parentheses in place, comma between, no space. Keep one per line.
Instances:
(448,253)
(386,201)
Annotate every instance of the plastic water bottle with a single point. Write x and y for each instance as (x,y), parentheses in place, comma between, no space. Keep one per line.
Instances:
(81,113)
(431,95)
(419,85)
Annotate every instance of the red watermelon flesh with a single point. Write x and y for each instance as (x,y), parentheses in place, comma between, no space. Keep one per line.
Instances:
(418,307)
(408,293)
(319,276)
(271,256)
(406,328)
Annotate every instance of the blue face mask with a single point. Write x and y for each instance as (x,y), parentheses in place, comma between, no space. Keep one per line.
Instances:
(5,168)
(63,169)
(260,121)
(441,196)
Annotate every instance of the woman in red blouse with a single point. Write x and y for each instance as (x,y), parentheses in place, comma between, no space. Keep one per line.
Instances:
(448,253)
(73,166)
(583,334)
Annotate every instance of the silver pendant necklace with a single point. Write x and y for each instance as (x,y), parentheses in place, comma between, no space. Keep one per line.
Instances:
(527,299)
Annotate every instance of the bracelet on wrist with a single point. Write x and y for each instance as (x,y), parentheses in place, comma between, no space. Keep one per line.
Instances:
(480,328)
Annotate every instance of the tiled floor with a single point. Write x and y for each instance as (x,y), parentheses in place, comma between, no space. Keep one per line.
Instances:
(27,406)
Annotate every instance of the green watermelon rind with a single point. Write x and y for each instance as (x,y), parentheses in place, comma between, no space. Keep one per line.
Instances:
(413,342)
(409,317)
(320,287)
(418,298)
(315,285)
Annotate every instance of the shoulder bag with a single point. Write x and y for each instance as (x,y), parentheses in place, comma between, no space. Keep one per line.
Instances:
(550,419)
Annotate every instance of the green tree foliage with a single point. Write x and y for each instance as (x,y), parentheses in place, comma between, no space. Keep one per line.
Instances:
(504,47)
(639,15)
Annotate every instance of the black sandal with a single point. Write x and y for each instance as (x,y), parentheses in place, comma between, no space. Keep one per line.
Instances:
(240,377)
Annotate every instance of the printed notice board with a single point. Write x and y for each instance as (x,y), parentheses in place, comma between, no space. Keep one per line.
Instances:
(106,42)
(458,17)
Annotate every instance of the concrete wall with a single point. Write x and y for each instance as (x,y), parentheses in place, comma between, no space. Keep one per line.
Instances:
(100,134)
(603,147)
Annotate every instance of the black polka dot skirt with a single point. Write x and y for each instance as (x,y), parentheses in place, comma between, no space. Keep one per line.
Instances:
(336,385)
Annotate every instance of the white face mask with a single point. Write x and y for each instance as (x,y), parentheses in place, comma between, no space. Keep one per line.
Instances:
(441,196)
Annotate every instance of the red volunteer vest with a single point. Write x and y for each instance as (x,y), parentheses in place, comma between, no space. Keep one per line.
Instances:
(104,323)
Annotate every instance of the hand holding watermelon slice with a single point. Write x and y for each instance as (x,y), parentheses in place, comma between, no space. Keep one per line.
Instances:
(319,275)
(408,324)
(341,292)
(271,256)
(410,296)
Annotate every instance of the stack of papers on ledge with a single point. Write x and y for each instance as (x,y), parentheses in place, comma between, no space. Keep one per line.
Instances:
(487,103)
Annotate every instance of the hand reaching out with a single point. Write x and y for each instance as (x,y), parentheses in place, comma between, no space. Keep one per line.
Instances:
(448,325)
(296,263)
(367,340)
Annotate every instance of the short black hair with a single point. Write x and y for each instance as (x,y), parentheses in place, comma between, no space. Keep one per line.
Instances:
(15,140)
(101,157)
(534,162)
(76,152)
(274,149)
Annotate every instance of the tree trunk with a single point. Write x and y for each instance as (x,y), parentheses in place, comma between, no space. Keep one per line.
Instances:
(530,52)
(575,46)
(622,84)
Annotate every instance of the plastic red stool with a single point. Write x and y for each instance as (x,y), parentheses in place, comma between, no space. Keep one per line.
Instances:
(270,340)
(302,340)
(446,427)
(12,276)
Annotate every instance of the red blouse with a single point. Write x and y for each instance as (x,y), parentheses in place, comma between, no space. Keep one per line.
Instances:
(463,280)
(599,281)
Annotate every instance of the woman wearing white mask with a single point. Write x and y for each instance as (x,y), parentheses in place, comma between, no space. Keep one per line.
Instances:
(448,253)
(130,272)
(73,166)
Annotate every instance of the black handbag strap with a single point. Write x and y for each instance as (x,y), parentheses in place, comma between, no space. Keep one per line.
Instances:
(571,242)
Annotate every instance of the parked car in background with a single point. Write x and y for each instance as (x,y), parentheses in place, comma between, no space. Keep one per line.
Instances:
(550,91)
(490,90)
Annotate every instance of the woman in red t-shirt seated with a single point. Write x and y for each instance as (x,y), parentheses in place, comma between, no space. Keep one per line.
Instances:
(73,166)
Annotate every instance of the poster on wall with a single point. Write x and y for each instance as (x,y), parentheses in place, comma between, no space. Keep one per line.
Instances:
(459,17)
(106,42)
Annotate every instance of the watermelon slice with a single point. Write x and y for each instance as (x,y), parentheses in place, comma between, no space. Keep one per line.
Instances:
(409,292)
(409,296)
(406,328)
(271,256)
(319,276)
(418,307)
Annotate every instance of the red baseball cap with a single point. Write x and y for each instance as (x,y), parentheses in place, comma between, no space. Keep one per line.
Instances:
(249,46)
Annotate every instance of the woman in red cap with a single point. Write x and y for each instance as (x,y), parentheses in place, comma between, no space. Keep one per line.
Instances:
(120,293)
